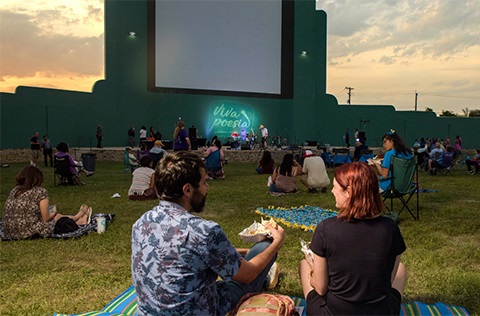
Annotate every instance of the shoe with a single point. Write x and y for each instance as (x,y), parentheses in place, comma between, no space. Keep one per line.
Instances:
(312,190)
(89,174)
(272,277)
(324,190)
(471,172)
(89,220)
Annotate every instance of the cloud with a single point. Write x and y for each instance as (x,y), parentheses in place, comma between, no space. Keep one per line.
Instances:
(30,45)
(434,29)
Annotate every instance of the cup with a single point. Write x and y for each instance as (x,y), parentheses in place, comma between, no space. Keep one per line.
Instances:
(101,224)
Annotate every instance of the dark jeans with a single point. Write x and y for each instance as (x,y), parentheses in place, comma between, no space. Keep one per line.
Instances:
(237,289)
(48,153)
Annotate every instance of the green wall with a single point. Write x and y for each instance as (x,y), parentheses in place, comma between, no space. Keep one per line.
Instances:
(122,99)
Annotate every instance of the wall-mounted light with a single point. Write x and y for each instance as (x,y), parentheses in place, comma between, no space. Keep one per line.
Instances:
(304,53)
(132,33)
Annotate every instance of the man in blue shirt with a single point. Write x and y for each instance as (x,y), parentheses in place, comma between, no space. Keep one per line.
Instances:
(177,256)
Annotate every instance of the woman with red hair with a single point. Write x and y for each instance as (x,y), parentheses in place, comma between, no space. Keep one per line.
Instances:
(356,268)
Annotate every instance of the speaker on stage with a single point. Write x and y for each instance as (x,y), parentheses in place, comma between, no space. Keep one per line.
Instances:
(192,133)
(167,144)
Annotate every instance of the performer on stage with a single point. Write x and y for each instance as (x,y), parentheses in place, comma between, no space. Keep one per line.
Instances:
(264,131)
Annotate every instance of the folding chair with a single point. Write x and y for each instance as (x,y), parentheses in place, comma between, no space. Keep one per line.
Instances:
(62,171)
(342,156)
(366,154)
(448,163)
(404,184)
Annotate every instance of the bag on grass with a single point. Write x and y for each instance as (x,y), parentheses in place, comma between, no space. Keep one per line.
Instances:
(65,225)
(266,305)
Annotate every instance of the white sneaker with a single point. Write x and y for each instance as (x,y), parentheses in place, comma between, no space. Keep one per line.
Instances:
(272,277)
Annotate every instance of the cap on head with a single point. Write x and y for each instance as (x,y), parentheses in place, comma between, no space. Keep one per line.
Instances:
(261,126)
(308,153)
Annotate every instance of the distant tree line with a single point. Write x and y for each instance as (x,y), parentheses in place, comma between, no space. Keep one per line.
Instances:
(466,113)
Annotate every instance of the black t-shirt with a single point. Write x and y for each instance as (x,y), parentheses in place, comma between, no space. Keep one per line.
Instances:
(360,256)
(34,146)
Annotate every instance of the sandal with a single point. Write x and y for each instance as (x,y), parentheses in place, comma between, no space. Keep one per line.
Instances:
(84,209)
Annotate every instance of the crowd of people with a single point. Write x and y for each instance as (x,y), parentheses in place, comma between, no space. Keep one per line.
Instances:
(356,263)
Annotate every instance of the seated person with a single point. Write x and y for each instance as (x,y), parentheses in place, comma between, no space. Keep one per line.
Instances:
(156,152)
(213,160)
(475,162)
(445,160)
(395,146)
(360,148)
(314,174)
(129,158)
(142,151)
(266,164)
(435,155)
(355,267)
(75,166)
(143,182)
(26,213)
(185,282)
(284,177)
(327,158)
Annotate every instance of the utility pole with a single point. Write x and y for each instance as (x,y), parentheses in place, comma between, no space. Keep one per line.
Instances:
(349,101)
(416,99)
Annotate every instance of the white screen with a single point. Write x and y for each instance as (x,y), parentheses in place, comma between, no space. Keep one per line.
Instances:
(225,45)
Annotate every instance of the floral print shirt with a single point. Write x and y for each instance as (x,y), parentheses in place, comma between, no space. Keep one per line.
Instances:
(176,259)
(22,218)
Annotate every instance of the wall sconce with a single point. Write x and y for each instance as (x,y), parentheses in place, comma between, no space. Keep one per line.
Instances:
(304,53)
(132,33)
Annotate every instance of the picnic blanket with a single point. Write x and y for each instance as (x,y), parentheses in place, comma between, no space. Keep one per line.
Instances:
(304,217)
(126,305)
(82,230)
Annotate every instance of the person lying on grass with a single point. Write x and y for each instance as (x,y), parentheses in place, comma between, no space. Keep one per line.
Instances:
(177,256)
(27,213)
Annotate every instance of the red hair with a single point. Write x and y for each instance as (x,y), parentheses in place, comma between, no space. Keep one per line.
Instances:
(362,184)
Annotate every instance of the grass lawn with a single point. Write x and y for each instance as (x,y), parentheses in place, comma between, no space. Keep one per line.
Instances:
(40,277)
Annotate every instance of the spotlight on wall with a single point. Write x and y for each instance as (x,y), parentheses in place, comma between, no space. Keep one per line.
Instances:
(132,33)
(304,53)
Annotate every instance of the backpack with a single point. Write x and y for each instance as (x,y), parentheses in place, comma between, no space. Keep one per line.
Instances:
(264,304)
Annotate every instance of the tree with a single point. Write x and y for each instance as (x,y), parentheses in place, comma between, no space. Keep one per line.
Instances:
(474,113)
(448,113)
(428,110)
(465,112)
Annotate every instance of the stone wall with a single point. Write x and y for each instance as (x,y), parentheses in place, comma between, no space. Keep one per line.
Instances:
(116,154)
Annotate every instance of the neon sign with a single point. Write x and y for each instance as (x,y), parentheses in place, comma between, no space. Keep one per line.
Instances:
(228,118)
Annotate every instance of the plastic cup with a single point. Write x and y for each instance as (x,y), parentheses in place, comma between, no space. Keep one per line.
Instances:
(101,224)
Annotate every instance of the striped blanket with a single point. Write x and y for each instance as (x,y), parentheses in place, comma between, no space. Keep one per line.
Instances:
(126,305)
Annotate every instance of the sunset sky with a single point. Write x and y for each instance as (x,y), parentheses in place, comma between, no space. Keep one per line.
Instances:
(385,50)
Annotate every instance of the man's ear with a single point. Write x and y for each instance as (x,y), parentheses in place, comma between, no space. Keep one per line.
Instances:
(187,189)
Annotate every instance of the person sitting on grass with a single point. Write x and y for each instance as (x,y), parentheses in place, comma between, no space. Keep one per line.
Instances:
(284,177)
(143,182)
(27,213)
(266,164)
(213,160)
(355,267)
(314,174)
(177,256)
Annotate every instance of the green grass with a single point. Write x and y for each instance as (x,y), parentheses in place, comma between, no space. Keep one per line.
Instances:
(40,277)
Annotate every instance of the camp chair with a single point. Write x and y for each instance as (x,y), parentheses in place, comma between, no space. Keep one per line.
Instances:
(404,184)
(342,156)
(365,155)
(460,161)
(128,167)
(446,167)
(62,171)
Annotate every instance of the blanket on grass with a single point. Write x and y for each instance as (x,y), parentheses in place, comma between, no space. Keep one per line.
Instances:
(304,217)
(82,230)
(126,305)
